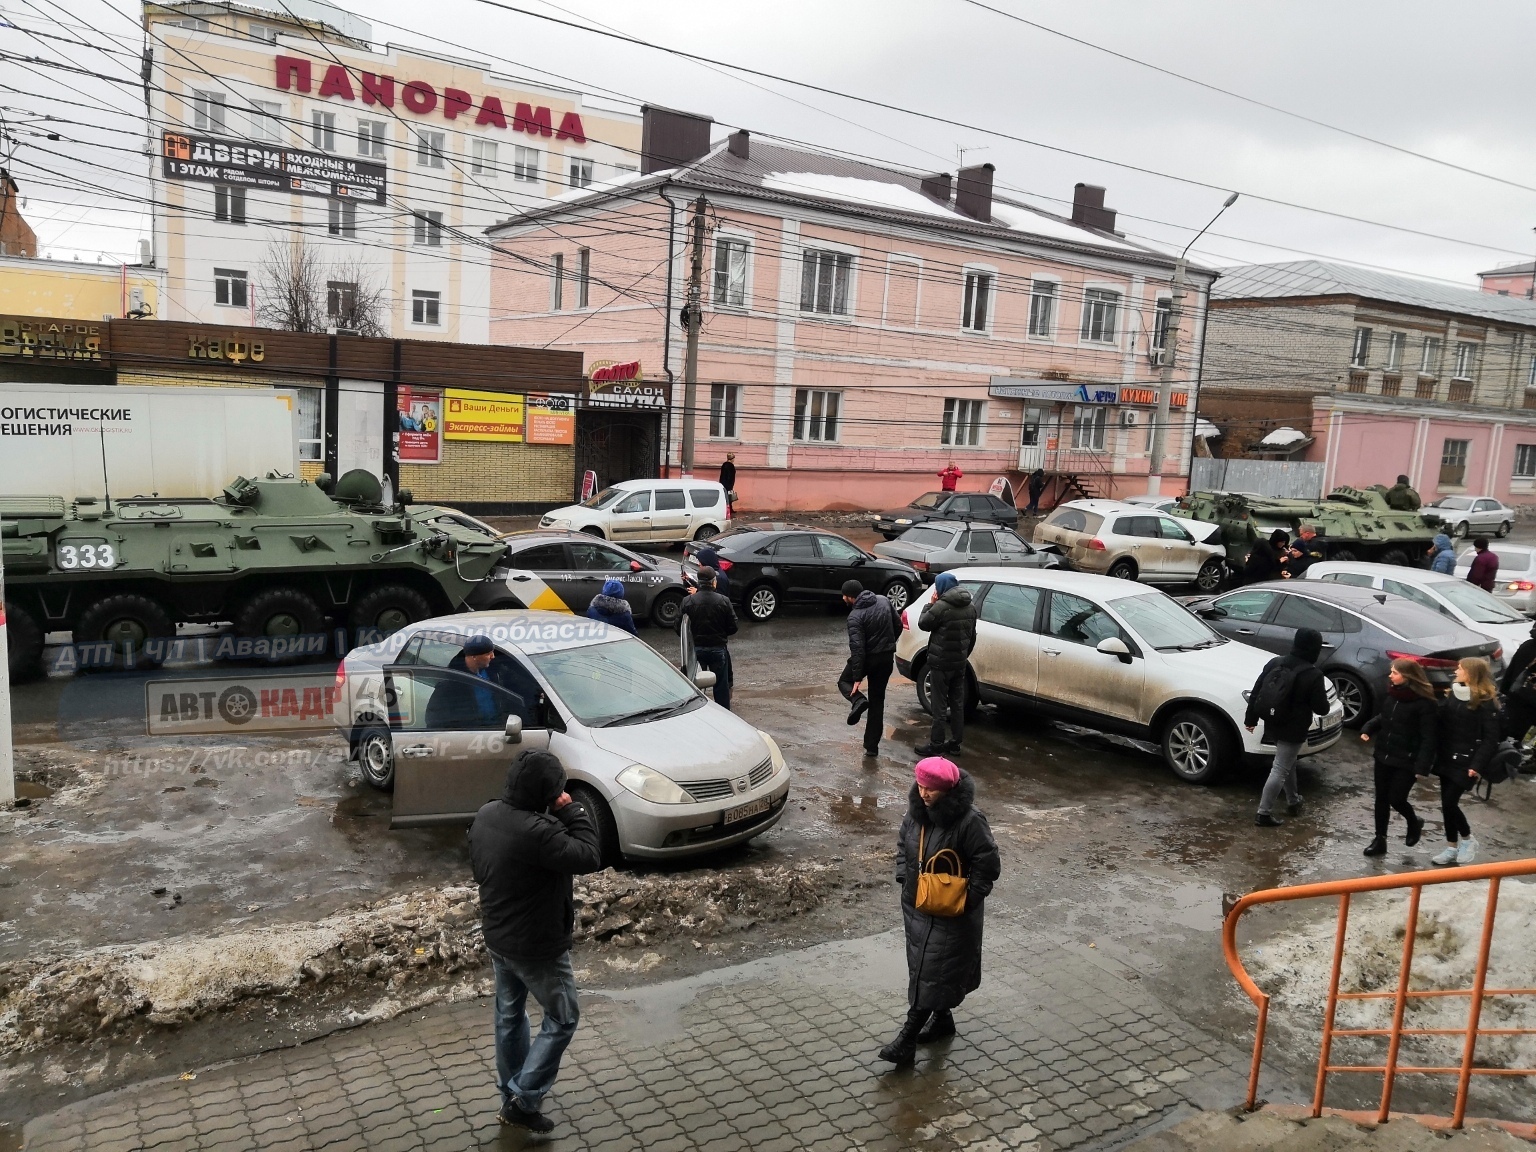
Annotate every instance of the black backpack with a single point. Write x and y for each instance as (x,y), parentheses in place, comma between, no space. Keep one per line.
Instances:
(1505,765)
(1275,691)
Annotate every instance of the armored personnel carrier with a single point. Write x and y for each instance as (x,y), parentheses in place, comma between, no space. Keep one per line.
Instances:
(278,558)
(1354,524)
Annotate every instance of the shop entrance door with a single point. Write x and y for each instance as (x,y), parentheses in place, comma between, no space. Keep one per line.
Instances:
(617,444)
(360,427)
(1032,439)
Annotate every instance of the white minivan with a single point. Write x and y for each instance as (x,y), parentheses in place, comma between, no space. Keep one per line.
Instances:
(645,511)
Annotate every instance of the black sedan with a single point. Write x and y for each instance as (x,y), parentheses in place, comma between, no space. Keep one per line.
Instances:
(947,506)
(784,565)
(562,571)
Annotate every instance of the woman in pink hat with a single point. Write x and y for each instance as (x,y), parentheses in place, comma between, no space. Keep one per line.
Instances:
(943,952)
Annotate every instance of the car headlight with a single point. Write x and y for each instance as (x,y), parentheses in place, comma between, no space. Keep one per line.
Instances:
(773,751)
(903,520)
(649,784)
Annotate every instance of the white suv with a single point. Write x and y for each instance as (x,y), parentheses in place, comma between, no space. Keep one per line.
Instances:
(643,511)
(1134,542)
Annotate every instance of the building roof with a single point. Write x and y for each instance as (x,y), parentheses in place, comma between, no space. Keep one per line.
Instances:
(1309,278)
(1511,270)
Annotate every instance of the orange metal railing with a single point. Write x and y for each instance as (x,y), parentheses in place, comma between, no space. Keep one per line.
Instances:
(1415,882)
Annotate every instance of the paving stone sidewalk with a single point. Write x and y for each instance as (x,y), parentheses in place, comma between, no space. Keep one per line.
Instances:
(1061,1048)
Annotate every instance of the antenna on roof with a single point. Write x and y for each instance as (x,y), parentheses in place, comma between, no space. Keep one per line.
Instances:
(962,149)
(105,487)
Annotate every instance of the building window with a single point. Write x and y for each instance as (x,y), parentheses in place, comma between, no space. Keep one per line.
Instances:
(341,303)
(1429,356)
(1460,391)
(429,229)
(229,204)
(1100,316)
(1162,316)
(266,118)
(978,296)
(322,132)
(1525,461)
(1424,390)
(557,285)
(231,287)
(424,307)
(1088,424)
(1042,308)
(1396,342)
(208,111)
(1530,373)
(482,158)
(429,149)
(580,173)
(190,23)
(311,423)
(723,400)
(525,164)
(1360,354)
(1391,385)
(962,423)
(824,280)
(262,32)
(343,218)
(1466,359)
(1453,463)
(731,273)
(816,415)
(371,135)
(583,275)
(1358,381)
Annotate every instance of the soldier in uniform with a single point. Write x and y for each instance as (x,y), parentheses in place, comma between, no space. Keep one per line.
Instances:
(1402,497)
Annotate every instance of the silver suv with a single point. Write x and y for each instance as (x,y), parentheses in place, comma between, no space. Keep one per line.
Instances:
(1131,542)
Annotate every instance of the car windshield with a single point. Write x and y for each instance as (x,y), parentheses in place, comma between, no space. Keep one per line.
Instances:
(927,500)
(1477,604)
(611,684)
(1456,503)
(604,498)
(1163,624)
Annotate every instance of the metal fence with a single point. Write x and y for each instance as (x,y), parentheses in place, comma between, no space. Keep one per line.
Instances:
(1297,479)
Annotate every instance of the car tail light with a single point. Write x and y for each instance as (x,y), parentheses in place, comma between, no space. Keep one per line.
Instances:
(341,677)
(1522,585)
(1095,545)
(725,565)
(920,565)
(1438,663)
(906,625)
(1498,653)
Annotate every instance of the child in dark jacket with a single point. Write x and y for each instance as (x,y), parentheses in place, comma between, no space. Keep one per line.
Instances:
(611,608)
(1404,731)
(1469,736)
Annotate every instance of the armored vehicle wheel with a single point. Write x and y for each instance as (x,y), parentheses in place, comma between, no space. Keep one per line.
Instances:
(125,621)
(387,609)
(1394,556)
(1504,529)
(376,757)
(1122,570)
(667,609)
(24,637)
(1341,554)
(279,612)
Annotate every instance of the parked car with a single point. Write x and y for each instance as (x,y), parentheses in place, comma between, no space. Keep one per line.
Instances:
(1516,577)
(648,511)
(562,571)
(1363,632)
(1451,596)
(1474,515)
(787,565)
(1110,656)
(664,771)
(940,545)
(1113,538)
(947,506)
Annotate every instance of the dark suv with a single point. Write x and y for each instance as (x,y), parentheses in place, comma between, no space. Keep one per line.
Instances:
(947,506)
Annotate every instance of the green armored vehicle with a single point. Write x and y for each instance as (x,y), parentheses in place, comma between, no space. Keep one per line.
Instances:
(1353,524)
(284,560)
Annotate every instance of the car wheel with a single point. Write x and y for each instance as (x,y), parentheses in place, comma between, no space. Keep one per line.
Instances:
(706,532)
(1209,578)
(376,758)
(1461,530)
(24,637)
(899,593)
(124,620)
(1394,556)
(602,816)
(1196,746)
(386,610)
(1122,570)
(594,530)
(920,678)
(1354,696)
(1504,529)
(666,609)
(972,696)
(762,602)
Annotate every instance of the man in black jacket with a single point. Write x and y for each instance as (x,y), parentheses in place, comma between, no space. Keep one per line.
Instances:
(712,617)
(1520,696)
(873,624)
(1286,724)
(1305,552)
(525,848)
(950,621)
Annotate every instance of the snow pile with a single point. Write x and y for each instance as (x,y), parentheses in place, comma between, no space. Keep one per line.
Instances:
(877,193)
(1283,438)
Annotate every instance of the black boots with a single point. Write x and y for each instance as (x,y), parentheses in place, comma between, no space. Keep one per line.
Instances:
(940,1026)
(1415,830)
(1377,847)
(902,1051)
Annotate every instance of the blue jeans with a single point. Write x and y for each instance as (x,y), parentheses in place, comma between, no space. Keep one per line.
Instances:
(523,1070)
(718,661)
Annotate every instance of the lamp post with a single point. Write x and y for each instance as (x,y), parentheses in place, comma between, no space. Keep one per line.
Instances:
(1166,360)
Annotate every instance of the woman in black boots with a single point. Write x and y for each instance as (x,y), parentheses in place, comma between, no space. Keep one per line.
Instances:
(1404,731)
(943,951)
(1469,736)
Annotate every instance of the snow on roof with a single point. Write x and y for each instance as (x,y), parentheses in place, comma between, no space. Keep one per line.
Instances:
(1022,218)
(1284,437)
(874,192)
(1205,430)
(599,186)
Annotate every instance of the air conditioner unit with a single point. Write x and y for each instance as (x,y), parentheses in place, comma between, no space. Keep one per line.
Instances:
(1127,419)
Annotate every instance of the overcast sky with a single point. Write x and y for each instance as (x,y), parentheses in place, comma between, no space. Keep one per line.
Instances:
(1452,83)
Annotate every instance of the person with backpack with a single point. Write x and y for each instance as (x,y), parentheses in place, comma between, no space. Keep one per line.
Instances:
(873,626)
(1404,732)
(1469,738)
(1288,693)
(1519,687)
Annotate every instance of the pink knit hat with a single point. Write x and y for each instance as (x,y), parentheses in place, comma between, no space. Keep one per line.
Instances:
(937,772)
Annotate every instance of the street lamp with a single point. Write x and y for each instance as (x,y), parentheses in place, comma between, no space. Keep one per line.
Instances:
(1170,346)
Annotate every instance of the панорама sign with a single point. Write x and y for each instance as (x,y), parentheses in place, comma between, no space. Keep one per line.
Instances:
(252,165)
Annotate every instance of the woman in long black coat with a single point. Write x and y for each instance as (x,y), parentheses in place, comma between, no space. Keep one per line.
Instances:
(943,952)
(1405,731)
(1469,736)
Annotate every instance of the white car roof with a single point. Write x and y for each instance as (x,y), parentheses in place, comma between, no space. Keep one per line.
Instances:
(529,632)
(1086,583)
(692,482)
(1386,571)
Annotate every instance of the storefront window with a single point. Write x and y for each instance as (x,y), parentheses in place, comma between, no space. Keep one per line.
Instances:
(311,423)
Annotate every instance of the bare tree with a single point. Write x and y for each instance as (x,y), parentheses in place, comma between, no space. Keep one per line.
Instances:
(354,301)
(299,292)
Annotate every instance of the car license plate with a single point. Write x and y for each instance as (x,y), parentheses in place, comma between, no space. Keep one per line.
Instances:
(746,811)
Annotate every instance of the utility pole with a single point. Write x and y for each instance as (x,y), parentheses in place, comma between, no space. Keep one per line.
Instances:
(693,315)
(7,753)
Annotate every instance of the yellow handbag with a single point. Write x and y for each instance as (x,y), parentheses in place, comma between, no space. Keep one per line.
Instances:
(939,893)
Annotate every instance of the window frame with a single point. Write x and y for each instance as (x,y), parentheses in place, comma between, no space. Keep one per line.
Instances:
(820,252)
(335,293)
(210,111)
(964,422)
(341,218)
(1095,418)
(229,204)
(587,167)
(482,157)
(431,147)
(322,130)
(427,305)
(583,278)
(1429,365)
(266,121)
(725,411)
(557,282)
(1162,320)
(1459,458)
(803,418)
(1094,295)
(727,243)
(1053,310)
(978,281)
(371,138)
(1466,359)
(1360,348)
(315,396)
(524,170)
(1397,344)
(1528,451)
(427,230)
(226,279)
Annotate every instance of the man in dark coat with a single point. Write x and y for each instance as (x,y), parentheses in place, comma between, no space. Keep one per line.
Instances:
(524,849)
(709,558)
(943,952)
(1485,565)
(1307,551)
(1037,483)
(1519,695)
(1264,558)
(482,697)
(873,625)
(712,619)
(950,621)
(1402,497)
(1286,726)
(728,482)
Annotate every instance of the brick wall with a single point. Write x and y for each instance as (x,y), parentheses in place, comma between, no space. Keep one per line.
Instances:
(474,474)
(1287,347)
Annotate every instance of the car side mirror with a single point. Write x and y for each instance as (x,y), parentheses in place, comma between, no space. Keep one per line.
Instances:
(704,678)
(861,559)
(514,730)
(636,566)
(1114,646)
(1212,612)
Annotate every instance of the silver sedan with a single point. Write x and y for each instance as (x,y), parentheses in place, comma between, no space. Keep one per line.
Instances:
(940,545)
(1474,515)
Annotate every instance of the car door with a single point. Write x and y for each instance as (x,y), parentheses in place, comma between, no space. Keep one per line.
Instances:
(540,577)
(998,510)
(1489,515)
(669,514)
(1007,652)
(979,546)
(841,561)
(1242,613)
(631,517)
(1013,551)
(1298,611)
(1074,674)
(799,566)
(1144,541)
(592,564)
(1181,555)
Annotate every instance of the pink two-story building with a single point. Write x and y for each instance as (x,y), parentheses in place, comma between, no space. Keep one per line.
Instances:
(863,327)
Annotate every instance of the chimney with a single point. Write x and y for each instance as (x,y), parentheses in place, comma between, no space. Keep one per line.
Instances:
(973,193)
(740,144)
(937,186)
(1088,208)
(671,139)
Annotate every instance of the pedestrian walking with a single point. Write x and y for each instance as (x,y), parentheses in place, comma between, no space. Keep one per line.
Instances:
(611,607)
(1469,736)
(873,625)
(1442,555)
(1037,482)
(1288,693)
(524,849)
(1485,565)
(728,482)
(950,621)
(1404,732)
(1263,561)
(1307,551)
(1401,497)
(943,831)
(1519,687)
(950,477)
(712,619)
